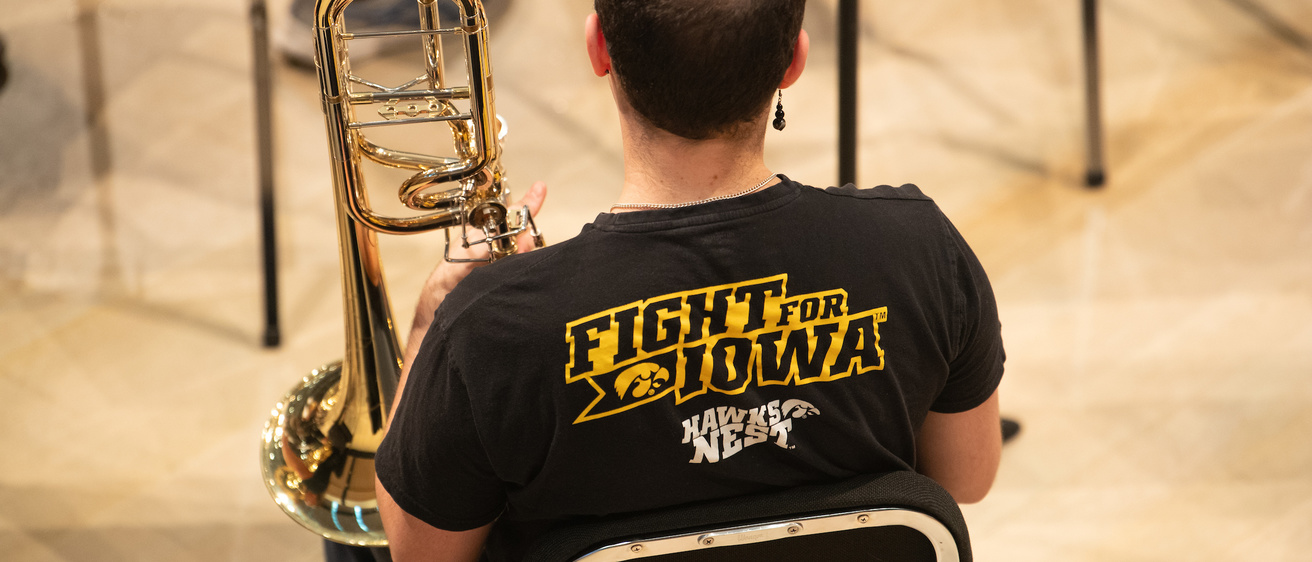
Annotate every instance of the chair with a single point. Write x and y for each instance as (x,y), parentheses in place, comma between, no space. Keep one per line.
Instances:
(892,517)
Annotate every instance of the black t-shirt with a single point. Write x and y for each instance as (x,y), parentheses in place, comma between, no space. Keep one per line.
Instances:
(790,336)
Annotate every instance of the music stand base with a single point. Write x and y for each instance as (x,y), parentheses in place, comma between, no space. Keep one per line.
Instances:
(1095,178)
(272,337)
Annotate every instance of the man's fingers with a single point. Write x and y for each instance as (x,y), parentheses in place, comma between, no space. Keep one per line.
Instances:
(533,199)
(537,193)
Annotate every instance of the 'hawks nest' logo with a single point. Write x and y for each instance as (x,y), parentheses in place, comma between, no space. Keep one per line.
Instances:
(720,433)
(719,339)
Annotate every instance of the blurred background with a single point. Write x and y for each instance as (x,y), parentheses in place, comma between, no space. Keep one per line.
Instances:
(1159,329)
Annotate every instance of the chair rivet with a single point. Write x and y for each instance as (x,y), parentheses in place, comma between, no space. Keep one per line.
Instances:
(794,528)
(708,541)
(635,548)
(863,518)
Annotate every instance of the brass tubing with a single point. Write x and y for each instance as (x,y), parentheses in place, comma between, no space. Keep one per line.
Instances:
(400,158)
(457,93)
(408,121)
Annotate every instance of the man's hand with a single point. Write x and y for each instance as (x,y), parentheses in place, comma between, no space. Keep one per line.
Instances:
(447,274)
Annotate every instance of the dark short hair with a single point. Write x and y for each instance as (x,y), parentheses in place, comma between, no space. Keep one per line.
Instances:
(700,68)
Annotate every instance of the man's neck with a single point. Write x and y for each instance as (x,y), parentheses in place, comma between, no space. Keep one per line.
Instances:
(662,168)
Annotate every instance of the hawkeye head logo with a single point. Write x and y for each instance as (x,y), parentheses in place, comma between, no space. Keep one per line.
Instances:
(641,380)
(799,409)
(719,339)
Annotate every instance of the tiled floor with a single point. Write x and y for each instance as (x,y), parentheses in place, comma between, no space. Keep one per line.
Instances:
(1159,330)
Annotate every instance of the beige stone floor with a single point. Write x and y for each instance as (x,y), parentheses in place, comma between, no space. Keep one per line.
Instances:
(1159,330)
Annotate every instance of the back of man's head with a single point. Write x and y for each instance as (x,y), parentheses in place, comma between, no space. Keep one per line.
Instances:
(700,68)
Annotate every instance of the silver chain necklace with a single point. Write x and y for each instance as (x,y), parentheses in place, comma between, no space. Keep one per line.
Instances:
(753,189)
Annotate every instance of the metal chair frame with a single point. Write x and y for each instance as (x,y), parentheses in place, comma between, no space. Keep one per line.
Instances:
(945,547)
(898,515)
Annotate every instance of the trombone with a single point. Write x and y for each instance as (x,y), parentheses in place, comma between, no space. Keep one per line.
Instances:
(317,450)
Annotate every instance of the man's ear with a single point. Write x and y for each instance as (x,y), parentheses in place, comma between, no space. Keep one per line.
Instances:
(596,43)
(795,68)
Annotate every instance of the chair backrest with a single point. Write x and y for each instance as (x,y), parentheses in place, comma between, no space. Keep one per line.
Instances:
(892,517)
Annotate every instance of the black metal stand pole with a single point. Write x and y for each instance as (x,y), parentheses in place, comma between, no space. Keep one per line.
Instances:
(264,139)
(847,93)
(1096,175)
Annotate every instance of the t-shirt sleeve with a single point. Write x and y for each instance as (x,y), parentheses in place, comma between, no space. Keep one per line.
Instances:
(432,461)
(975,369)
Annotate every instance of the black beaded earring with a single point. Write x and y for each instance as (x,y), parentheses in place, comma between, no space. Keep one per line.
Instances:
(779,122)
